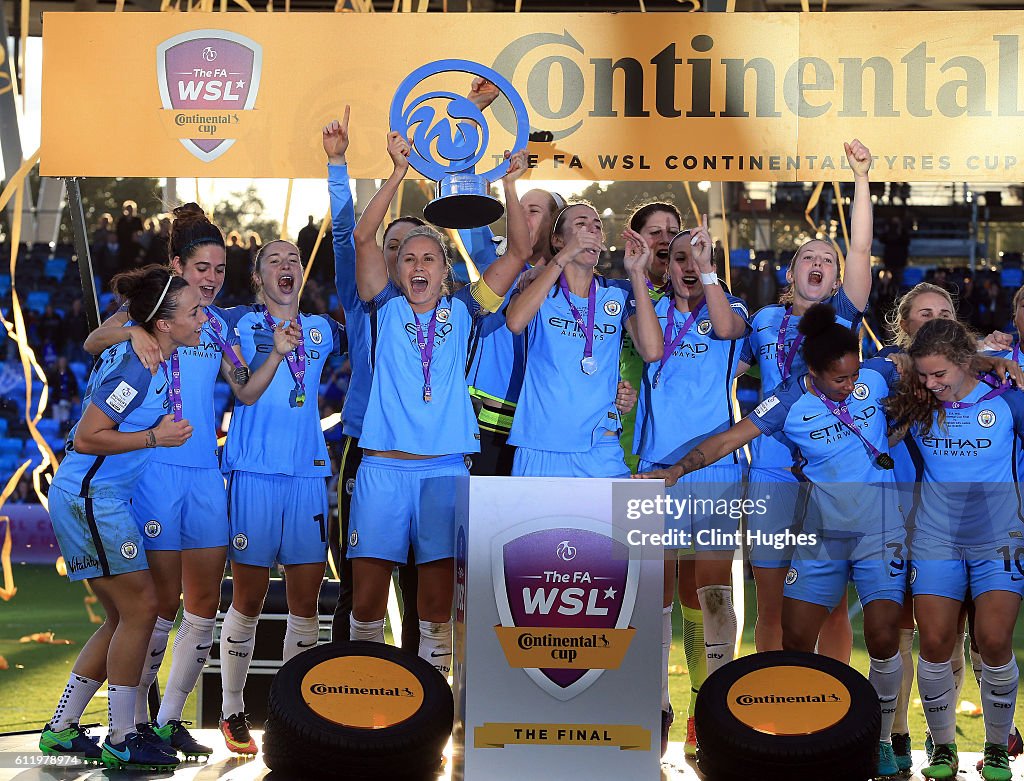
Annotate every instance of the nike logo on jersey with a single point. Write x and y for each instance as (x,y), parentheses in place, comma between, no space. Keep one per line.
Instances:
(811,417)
(937,697)
(244,640)
(435,654)
(155,654)
(161,389)
(301,644)
(766,328)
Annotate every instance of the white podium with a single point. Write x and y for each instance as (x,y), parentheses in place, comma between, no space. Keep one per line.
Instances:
(558,614)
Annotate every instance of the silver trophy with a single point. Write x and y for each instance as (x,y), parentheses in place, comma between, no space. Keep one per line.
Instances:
(463,197)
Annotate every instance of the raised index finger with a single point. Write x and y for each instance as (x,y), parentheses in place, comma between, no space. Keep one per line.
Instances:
(344,119)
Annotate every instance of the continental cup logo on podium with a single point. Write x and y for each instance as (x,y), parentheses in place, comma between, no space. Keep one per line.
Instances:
(565,593)
(459,138)
(208,80)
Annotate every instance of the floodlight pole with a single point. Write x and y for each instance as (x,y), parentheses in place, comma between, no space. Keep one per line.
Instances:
(81,235)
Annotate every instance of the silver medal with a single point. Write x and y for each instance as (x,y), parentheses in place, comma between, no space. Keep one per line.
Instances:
(589,364)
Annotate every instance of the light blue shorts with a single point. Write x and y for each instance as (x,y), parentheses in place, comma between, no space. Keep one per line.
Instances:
(944,569)
(781,495)
(181,507)
(876,564)
(277,519)
(98,537)
(605,459)
(398,504)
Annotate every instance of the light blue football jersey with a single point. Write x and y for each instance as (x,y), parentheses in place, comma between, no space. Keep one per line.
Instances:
(760,349)
(852,493)
(125,391)
(693,398)
(561,408)
(969,491)
(200,367)
(397,416)
(276,435)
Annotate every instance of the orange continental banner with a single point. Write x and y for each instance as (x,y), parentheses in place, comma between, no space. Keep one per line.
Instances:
(626,737)
(935,95)
(564,648)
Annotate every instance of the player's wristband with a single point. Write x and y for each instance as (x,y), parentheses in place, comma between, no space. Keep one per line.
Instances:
(709,279)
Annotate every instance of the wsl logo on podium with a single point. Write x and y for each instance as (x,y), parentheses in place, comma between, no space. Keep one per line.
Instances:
(206,78)
(565,591)
(460,138)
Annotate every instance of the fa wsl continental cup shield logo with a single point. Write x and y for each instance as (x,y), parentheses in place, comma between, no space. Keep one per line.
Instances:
(572,583)
(208,76)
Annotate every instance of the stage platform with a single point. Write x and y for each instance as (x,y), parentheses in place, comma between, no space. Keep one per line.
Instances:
(20,759)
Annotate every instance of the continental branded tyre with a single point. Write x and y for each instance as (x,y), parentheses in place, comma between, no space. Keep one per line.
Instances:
(782,715)
(357,710)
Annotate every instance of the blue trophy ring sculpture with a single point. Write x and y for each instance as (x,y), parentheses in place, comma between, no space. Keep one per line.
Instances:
(460,138)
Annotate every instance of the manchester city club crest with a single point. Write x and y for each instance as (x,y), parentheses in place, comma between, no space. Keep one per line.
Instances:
(565,573)
(240,542)
(986,418)
(152,529)
(860,391)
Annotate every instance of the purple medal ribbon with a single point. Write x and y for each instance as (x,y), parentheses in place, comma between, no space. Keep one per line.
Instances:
(588,364)
(784,360)
(659,289)
(842,414)
(241,372)
(425,341)
(671,343)
(999,390)
(174,387)
(1016,353)
(296,358)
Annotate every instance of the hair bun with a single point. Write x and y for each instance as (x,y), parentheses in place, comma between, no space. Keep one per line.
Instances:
(817,319)
(189,213)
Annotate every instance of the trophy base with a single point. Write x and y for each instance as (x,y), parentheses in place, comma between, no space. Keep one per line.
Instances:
(463,202)
(463,211)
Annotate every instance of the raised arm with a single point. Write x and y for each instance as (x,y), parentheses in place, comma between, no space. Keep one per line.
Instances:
(343,215)
(502,273)
(524,306)
(725,320)
(113,331)
(371,269)
(707,452)
(643,326)
(857,276)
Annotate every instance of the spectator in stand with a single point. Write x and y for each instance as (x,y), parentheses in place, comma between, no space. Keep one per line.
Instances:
(76,328)
(896,243)
(255,242)
(307,239)
(106,260)
(50,330)
(237,283)
(129,227)
(159,237)
(64,392)
(102,229)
